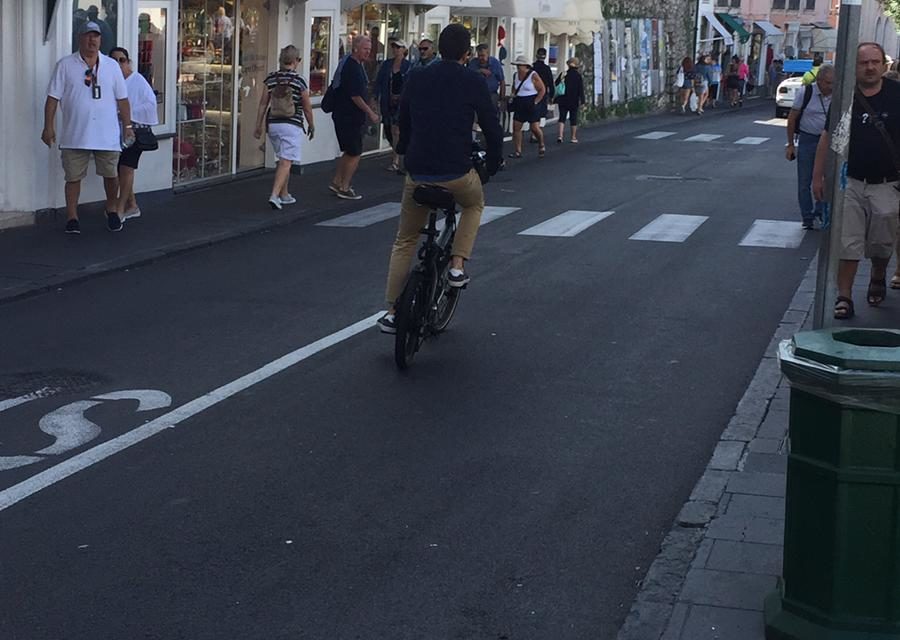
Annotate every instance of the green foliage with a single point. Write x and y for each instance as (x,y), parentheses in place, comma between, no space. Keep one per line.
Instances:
(892,10)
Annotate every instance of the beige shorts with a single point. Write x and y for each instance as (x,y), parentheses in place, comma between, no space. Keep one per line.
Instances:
(870,220)
(75,163)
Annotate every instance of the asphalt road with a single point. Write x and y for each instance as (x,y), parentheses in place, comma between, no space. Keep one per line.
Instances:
(515,483)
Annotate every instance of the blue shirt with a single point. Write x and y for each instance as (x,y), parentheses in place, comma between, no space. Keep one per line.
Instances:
(496,77)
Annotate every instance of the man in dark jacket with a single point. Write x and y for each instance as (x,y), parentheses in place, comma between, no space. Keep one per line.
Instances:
(437,112)
(546,76)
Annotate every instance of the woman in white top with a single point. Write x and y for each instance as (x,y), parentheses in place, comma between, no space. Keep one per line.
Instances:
(143,115)
(528,93)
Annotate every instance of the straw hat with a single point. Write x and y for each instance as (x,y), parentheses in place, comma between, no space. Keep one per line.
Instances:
(521,61)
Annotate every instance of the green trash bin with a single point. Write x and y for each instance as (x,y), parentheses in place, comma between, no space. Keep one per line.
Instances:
(841,573)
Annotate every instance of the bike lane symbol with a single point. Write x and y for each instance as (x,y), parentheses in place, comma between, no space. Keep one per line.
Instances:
(71,429)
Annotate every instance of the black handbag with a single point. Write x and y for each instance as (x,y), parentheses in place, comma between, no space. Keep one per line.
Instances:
(145,139)
(327,104)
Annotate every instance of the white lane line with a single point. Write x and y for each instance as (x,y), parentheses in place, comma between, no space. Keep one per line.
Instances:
(655,135)
(43,392)
(567,224)
(751,140)
(85,459)
(488,215)
(779,234)
(366,217)
(774,122)
(670,227)
(703,137)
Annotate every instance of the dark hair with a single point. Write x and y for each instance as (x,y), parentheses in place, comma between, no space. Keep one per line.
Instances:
(687,64)
(542,51)
(481,47)
(120,50)
(872,44)
(454,42)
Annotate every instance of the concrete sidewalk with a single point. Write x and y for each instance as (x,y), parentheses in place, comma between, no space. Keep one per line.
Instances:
(723,555)
(41,257)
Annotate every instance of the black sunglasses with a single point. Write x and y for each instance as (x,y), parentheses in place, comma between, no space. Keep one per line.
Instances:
(88,77)
(424,48)
(120,60)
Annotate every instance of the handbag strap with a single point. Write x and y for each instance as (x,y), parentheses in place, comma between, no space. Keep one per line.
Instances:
(516,89)
(882,129)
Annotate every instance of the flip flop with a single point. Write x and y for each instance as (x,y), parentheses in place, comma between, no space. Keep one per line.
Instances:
(876,292)
(843,308)
(541,152)
(895,281)
(515,155)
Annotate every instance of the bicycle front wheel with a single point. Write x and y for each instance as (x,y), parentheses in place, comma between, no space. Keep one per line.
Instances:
(409,315)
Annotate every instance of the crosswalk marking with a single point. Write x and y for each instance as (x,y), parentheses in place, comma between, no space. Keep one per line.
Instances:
(567,224)
(670,227)
(751,140)
(655,135)
(774,122)
(366,217)
(703,137)
(779,234)
(488,215)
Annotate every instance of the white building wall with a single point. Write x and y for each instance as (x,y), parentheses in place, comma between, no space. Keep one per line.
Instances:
(874,26)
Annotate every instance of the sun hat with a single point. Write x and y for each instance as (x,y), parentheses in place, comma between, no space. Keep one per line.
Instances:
(521,61)
(399,43)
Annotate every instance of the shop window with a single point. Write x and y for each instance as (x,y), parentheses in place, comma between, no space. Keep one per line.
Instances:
(105,13)
(319,55)
(778,4)
(153,50)
(810,5)
(794,5)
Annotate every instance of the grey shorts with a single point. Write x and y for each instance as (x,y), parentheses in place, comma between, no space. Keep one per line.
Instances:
(871,213)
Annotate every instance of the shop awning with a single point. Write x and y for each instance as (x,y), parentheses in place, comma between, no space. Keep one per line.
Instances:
(346,5)
(581,19)
(522,9)
(735,24)
(768,28)
(824,39)
(720,29)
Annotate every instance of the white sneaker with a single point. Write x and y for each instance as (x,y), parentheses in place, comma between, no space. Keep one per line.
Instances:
(275,203)
(132,213)
(288,199)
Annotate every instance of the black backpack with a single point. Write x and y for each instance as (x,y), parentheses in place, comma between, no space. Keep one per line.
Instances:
(807,96)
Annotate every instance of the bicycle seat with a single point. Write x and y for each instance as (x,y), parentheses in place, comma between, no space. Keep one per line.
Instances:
(433,196)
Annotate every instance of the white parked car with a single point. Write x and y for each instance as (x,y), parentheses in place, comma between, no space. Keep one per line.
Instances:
(787,90)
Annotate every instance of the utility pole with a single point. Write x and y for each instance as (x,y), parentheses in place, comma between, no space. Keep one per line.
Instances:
(841,102)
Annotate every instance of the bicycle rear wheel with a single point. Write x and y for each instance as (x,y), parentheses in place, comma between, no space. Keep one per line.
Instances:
(447,298)
(409,315)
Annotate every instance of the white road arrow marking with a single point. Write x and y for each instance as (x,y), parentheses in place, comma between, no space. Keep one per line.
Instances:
(148,399)
(12,462)
(69,426)
(43,392)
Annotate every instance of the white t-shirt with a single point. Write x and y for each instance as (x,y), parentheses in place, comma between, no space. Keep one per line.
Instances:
(142,99)
(88,123)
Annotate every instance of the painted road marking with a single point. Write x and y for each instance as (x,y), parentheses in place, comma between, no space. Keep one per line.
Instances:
(774,122)
(366,217)
(751,140)
(567,224)
(92,456)
(703,137)
(43,392)
(489,215)
(656,135)
(780,234)
(670,227)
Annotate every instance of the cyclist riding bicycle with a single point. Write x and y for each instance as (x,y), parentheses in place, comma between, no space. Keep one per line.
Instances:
(437,110)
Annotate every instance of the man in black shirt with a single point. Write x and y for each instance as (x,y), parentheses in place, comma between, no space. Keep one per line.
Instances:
(545,73)
(351,107)
(437,111)
(871,199)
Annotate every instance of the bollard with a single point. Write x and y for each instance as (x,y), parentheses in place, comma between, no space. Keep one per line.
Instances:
(841,572)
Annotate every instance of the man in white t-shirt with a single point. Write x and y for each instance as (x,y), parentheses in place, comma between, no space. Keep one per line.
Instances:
(91,89)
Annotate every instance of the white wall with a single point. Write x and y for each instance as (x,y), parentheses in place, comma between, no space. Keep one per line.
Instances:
(874,26)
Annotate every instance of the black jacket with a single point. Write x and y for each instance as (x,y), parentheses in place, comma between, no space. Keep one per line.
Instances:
(437,111)
(546,75)
(574,95)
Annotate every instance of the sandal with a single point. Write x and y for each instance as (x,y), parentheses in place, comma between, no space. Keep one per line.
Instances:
(895,281)
(843,308)
(559,141)
(877,291)
(515,155)
(541,151)
(574,141)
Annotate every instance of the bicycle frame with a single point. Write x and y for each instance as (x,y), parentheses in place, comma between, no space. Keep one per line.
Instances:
(434,256)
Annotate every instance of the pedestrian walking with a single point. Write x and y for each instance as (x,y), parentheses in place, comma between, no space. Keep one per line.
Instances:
(528,92)
(144,116)
(871,198)
(90,89)
(715,79)
(702,81)
(282,108)
(686,82)
(733,81)
(744,79)
(351,108)
(492,72)
(388,88)
(569,98)
(546,74)
(805,125)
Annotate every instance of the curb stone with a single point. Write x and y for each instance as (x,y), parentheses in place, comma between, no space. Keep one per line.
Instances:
(713,529)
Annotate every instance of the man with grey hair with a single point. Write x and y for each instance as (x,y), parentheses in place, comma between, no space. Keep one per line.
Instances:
(351,107)
(805,125)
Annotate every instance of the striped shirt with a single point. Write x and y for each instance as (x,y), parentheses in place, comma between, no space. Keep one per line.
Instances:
(298,87)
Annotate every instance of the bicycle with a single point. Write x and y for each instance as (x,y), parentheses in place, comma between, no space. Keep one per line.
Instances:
(428,302)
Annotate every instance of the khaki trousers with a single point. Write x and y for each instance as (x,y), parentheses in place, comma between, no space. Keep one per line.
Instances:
(413,217)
